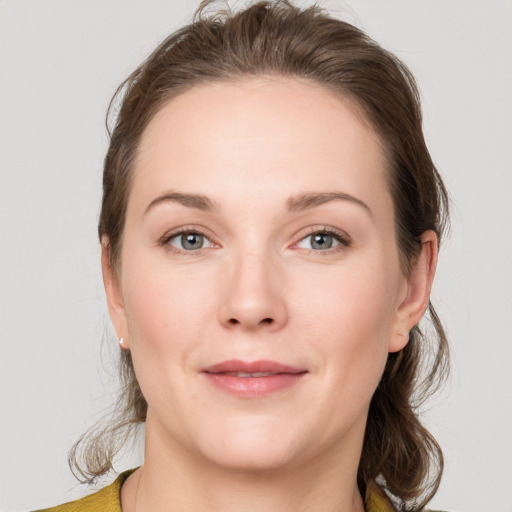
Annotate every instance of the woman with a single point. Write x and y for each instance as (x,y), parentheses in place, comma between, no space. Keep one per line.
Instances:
(270,227)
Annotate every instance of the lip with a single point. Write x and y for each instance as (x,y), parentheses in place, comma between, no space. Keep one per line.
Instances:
(281,376)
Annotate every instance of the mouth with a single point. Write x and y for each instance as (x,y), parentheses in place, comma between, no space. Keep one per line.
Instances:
(245,374)
(252,379)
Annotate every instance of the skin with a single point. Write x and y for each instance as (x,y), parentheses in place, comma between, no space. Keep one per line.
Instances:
(258,289)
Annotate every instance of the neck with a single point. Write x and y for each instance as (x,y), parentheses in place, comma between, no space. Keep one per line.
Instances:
(172,478)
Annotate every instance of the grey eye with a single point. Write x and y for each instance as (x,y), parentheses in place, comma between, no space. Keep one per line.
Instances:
(188,241)
(319,241)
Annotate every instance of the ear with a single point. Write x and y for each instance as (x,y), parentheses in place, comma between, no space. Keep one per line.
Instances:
(417,294)
(114,294)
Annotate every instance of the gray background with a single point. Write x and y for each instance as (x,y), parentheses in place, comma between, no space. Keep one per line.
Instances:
(60,61)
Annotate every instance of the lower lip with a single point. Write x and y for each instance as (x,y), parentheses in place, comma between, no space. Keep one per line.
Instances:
(253,387)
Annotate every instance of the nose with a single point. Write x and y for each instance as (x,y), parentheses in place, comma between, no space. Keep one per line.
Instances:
(253,296)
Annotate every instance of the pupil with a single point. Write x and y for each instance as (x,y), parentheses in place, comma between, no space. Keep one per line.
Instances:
(192,241)
(322,242)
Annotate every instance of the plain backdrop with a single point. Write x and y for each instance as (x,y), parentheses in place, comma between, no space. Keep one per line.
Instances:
(60,61)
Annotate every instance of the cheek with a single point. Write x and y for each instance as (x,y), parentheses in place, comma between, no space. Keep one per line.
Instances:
(350,314)
(166,313)
(163,304)
(353,302)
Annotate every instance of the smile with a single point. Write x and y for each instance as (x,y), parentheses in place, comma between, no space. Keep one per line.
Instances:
(252,379)
(245,374)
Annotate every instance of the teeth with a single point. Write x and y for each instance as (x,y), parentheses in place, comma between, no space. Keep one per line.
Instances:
(245,374)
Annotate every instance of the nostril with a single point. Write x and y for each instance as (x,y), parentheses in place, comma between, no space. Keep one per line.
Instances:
(234,321)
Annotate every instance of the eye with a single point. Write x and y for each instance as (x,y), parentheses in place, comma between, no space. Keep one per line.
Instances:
(323,240)
(188,241)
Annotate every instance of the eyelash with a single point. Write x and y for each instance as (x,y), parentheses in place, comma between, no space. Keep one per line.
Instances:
(340,236)
(180,232)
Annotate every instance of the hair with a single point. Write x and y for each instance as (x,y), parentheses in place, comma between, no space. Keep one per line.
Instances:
(278,39)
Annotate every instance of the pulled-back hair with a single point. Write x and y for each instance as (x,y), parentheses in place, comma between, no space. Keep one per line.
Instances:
(278,39)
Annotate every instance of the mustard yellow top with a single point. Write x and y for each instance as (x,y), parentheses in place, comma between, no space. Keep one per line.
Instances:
(107,500)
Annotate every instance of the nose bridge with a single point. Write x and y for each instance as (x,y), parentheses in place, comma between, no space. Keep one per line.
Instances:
(253,296)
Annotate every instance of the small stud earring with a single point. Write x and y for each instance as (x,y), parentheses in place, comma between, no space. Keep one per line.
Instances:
(121,341)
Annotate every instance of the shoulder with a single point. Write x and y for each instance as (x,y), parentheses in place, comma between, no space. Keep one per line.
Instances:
(106,500)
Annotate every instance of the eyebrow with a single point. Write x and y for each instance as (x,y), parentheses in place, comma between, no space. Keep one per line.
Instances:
(198,201)
(294,204)
(313,199)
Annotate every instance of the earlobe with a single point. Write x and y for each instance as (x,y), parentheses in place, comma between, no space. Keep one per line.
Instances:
(114,295)
(419,285)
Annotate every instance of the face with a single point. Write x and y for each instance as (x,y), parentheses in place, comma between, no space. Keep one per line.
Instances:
(260,288)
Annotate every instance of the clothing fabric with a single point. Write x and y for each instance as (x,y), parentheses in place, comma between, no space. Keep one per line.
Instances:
(108,500)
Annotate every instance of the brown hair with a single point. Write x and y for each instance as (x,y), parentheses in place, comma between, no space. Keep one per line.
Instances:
(278,39)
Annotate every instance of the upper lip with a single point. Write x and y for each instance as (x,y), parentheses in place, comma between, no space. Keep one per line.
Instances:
(236,365)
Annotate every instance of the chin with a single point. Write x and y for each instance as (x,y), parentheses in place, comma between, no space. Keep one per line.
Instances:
(251,445)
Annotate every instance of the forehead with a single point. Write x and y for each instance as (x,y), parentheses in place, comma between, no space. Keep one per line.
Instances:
(259,135)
